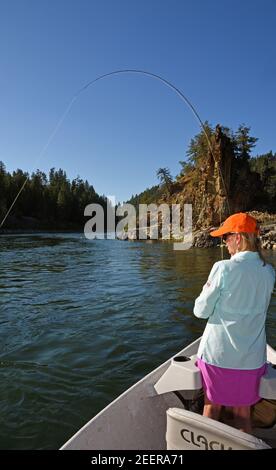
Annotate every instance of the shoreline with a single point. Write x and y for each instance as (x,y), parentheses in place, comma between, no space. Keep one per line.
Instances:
(201,238)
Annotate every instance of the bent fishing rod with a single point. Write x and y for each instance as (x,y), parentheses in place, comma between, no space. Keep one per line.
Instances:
(89,84)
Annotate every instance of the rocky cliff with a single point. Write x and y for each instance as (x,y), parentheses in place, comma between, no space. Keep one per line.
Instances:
(217,187)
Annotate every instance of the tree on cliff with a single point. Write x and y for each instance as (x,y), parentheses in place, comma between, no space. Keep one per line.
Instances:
(243,143)
(198,148)
(165,178)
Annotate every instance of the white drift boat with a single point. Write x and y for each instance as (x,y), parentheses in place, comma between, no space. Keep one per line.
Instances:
(162,411)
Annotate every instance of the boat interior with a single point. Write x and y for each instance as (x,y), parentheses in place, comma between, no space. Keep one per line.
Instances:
(188,429)
(164,411)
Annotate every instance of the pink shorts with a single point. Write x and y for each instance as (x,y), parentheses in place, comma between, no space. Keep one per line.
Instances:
(231,387)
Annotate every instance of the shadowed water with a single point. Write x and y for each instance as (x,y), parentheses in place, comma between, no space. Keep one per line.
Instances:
(81,321)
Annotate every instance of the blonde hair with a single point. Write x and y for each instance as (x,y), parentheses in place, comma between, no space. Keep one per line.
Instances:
(251,242)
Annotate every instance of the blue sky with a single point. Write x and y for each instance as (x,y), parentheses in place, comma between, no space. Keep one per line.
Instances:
(219,53)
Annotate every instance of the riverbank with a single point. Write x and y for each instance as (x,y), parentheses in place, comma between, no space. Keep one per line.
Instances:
(26,224)
(201,237)
(267,223)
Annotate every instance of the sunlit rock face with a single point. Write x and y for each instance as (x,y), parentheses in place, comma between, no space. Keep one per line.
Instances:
(219,185)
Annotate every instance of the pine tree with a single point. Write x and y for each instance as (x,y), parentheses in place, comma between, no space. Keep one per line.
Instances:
(165,178)
(243,143)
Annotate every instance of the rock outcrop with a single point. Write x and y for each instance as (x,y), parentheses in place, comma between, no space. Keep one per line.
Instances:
(218,186)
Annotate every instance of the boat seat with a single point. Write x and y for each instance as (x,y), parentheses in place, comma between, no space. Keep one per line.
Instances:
(189,431)
(182,374)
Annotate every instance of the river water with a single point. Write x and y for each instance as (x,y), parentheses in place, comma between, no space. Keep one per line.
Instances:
(81,321)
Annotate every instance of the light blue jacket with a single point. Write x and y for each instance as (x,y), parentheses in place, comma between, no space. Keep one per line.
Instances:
(235,299)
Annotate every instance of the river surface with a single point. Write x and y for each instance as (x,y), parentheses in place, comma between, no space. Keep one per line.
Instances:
(81,321)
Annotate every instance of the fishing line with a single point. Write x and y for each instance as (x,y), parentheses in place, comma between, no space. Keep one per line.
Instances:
(76,96)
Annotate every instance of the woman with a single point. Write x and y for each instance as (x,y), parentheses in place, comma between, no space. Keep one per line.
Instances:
(232,351)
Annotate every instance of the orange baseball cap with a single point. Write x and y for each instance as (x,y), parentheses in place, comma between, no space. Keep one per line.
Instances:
(236,223)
